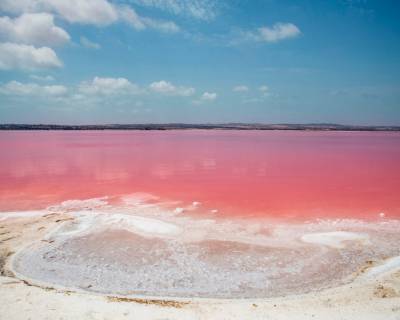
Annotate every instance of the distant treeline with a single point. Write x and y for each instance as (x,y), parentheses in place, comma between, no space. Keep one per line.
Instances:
(182,126)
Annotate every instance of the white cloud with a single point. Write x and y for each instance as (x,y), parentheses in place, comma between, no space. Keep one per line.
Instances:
(161,25)
(168,88)
(130,16)
(16,88)
(89,44)
(241,88)
(209,96)
(41,78)
(96,12)
(278,31)
(108,86)
(32,28)
(24,57)
(264,90)
(95,91)
(199,9)
(19,6)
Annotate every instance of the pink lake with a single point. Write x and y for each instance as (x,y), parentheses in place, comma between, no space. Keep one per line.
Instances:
(289,175)
(211,214)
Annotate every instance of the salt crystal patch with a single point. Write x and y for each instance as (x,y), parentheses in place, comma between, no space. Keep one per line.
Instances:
(333,239)
(87,204)
(96,220)
(389,265)
(22,214)
(146,225)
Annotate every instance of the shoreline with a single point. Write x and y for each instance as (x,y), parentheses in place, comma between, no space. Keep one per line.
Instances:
(189,126)
(369,289)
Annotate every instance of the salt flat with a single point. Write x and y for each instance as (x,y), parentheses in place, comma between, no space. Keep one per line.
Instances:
(99,260)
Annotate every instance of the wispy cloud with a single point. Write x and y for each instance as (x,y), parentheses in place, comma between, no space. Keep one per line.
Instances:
(16,88)
(108,86)
(209,96)
(263,93)
(129,15)
(41,78)
(205,97)
(89,44)
(165,87)
(199,9)
(240,88)
(277,32)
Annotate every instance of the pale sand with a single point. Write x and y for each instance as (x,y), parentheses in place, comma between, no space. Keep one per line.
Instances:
(374,294)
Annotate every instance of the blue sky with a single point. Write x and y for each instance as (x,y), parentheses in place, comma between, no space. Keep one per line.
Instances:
(135,61)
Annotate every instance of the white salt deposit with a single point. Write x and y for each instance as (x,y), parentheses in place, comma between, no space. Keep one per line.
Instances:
(388,265)
(145,248)
(22,214)
(179,210)
(86,204)
(141,224)
(335,239)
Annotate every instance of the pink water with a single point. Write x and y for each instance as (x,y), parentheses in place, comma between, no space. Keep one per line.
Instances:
(273,174)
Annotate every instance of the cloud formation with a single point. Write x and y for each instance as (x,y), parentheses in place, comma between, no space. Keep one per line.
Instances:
(27,57)
(16,88)
(32,28)
(199,9)
(91,12)
(278,32)
(264,90)
(240,88)
(129,15)
(165,87)
(89,44)
(108,86)
(209,96)
(35,26)
(41,78)
(96,12)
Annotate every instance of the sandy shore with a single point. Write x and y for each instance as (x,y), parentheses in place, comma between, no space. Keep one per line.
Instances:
(374,294)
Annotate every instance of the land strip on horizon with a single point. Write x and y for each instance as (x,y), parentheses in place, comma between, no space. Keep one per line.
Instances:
(184,126)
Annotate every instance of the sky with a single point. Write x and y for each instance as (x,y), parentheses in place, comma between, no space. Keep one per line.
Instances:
(200,61)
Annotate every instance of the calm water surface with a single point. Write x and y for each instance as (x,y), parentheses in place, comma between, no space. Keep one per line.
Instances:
(273,174)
